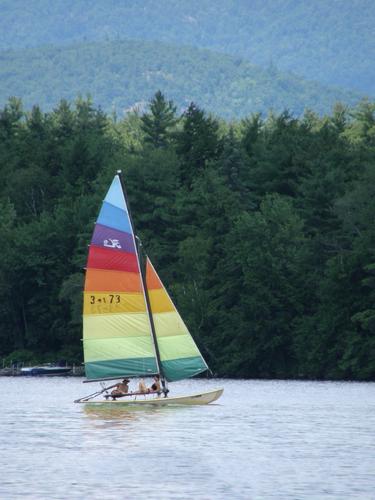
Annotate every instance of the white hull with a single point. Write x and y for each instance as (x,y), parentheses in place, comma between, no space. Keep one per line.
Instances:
(202,398)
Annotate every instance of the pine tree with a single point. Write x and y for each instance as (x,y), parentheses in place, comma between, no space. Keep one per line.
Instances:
(252,127)
(197,143)
(158,123)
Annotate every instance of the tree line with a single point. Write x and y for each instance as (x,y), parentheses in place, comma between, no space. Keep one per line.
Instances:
(261,229)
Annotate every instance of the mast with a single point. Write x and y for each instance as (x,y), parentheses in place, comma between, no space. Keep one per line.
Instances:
(142,267)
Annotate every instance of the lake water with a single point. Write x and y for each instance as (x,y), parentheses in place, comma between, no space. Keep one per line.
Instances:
(262,440)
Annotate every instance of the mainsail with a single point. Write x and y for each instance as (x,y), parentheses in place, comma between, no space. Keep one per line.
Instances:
(117,337)
(130,325)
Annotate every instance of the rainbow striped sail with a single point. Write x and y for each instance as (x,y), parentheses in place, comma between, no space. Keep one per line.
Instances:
(130,325)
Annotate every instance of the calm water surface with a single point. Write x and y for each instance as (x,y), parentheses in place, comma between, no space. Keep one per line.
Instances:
(264,439)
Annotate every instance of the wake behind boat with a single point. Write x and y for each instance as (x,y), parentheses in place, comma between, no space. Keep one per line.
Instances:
(131,328)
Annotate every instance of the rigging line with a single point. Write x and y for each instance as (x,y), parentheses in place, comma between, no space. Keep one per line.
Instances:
(142,267)
(94,394)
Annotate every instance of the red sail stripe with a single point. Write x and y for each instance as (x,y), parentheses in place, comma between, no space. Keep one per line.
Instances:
(116,260)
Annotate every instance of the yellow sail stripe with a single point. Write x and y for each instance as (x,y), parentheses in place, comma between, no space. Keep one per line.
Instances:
(160,301)
(167,324)
(107,326)
(113,303)
(118,348)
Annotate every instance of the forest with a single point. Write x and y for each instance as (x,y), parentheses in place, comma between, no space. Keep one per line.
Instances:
(262,230)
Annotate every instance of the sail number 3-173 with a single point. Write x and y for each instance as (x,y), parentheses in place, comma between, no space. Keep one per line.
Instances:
(110,299)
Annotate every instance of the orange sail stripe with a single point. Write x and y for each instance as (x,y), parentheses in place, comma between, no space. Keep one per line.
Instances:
(98,280)
(152,279)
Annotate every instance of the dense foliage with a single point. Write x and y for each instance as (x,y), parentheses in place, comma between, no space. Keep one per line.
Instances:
(327,41)
(262,230)
(119,75)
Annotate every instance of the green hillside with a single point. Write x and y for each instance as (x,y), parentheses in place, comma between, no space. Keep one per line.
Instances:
(327,41)
(122,74)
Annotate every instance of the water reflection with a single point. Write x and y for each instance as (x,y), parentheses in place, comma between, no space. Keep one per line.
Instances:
(109,415)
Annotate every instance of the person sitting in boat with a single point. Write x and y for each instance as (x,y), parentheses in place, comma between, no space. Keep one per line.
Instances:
(142,387)
(121,388)
(156,385)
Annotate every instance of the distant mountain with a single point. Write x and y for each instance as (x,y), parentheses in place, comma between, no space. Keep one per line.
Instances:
(121,75)
(330,41)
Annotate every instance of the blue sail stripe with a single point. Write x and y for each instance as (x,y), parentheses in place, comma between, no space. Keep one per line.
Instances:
(115,195)
(114,217)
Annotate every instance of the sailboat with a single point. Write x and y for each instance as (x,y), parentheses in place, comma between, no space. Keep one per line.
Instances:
(131,327)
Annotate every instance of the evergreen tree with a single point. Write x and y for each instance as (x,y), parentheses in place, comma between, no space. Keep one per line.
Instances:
(159,122)
(233,166)
(251,130)
(197,143)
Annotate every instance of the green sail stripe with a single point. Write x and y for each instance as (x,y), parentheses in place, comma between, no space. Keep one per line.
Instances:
(178,369)
(120,368)
(179,346)
(116,348)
